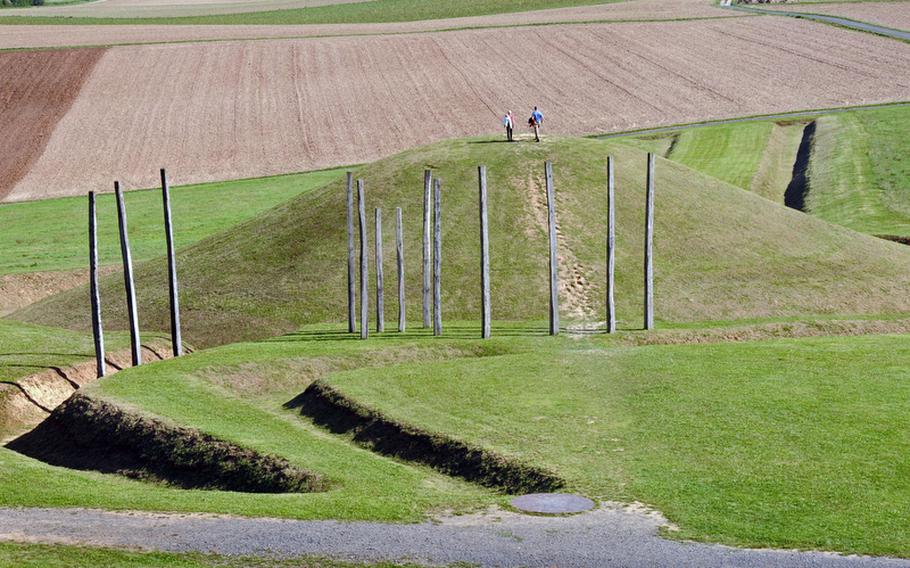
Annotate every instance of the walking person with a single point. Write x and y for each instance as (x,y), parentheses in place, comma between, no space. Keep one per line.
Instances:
(535,122)
(509,123)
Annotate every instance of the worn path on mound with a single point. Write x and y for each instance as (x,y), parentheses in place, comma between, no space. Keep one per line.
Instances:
(609,536)
(232,110)
(42,36)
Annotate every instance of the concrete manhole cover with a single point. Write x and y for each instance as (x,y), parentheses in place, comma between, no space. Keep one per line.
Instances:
(552,503)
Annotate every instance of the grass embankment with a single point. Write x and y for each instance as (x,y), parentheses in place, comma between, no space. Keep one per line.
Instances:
(375,11)
(59,556)
(786,443)
(50,235)
(26,349)
(235,393)
(721,254)
(858,174)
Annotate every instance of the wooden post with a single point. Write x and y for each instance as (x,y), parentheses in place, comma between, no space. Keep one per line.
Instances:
(649,246)
(611,247)
(380,307)
(176,339)
(364,270)
(437,259)
(484,255)
(128,281)
(427,187)
(352,294)
(399,256)
(554,259)
(97,332)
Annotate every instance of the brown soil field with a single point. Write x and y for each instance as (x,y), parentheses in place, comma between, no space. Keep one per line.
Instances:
(169,8)
(20,290)
(36,90)
(890,14)
(243,109)
(15,37)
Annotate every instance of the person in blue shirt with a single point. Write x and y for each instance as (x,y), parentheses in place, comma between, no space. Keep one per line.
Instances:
(535,122)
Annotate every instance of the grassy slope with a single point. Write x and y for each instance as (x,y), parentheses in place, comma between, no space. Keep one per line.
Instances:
(236,392)
(61,556)
(199,211)
(26,349)
(858,172)
(789,443)
(357,13)
(720,253)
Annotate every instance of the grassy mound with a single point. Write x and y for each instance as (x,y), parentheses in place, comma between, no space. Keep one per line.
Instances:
(721,253)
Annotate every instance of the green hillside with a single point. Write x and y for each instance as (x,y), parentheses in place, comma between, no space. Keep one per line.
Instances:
(721,254)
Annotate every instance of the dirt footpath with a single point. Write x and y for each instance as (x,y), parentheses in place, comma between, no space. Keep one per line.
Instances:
(244,109)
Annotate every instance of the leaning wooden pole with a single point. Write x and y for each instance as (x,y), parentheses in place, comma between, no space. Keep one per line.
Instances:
(399,259)
(611,247)
(380,305)
(352,294)
(437,258)
(128,281)
(554,259)
(176,339)
(427,204)
(649,246)
(364,269)
(97,332)
(484,255)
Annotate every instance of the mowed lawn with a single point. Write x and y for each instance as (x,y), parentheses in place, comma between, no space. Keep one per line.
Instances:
(787,443)
(859,175)
(23,555)
(51,235)
(375,11)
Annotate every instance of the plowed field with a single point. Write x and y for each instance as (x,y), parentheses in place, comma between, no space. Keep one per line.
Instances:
(890,14)
(36,90)
(230,110)
(167,8)
(55,36)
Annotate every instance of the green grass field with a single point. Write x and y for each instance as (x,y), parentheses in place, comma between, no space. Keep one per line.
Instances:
(45,556)
(721,253)
(375,11)
(198,210)
(786,443)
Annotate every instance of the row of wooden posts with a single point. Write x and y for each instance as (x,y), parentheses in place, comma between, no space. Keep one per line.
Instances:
(432,209)
(128,280)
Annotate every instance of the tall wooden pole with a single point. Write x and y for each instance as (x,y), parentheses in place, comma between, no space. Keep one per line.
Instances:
(484,255)
(352,294)
(427,203)
(554,259)
(399,257)
(380,306)
(176,339)
(364,259)
(97,332)
(128,281)
(611,247)
(649,246)
(437,258)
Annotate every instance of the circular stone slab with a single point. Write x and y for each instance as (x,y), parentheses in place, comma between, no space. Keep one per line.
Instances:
(552,503)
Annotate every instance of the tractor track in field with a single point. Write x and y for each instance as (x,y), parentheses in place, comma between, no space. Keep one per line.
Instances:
(612,535)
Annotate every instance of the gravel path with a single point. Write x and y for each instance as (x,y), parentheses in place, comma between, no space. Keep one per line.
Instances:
(845,22)
(609,536)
